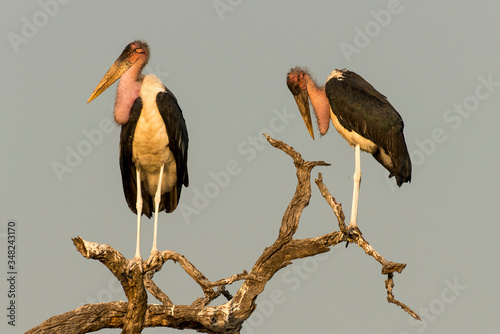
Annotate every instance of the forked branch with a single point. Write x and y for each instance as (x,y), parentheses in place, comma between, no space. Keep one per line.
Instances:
(136,314)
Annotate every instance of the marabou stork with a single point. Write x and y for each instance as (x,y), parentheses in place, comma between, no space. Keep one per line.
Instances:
(153,139)
(361,115)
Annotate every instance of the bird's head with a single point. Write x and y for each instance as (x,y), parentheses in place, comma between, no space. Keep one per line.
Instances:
(297,85)
(135,53)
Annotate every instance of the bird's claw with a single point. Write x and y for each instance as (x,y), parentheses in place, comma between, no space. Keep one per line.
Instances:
(352,233)
(136,261)
(154,259)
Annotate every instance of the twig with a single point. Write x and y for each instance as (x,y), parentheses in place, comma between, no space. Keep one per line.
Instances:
(388,268)
(237,277)
(389,284)
(337,207)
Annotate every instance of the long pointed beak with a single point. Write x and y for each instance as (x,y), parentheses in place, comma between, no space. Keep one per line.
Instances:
(302,100)
(114,73)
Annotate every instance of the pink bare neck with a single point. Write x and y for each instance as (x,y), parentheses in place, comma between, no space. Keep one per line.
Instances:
(320,104)
(128,91)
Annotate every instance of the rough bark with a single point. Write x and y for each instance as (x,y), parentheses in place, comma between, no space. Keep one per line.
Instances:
(135,315)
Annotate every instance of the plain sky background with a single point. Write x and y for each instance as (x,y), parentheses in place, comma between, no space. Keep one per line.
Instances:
(436,61)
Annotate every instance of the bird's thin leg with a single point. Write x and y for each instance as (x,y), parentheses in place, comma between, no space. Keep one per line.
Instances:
(137,258)
(355,193)
(157,206)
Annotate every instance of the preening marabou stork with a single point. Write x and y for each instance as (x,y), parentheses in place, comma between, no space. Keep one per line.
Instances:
(153,139)
(361,115)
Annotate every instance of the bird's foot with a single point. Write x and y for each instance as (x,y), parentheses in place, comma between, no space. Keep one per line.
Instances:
(352,233)
(136,261)
(154,259)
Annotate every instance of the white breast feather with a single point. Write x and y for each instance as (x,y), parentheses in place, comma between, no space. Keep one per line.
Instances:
(150,148)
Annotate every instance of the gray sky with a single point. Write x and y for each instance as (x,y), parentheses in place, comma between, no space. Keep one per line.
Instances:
(226,62)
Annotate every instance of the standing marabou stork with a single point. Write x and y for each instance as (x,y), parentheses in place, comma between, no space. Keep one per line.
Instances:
(153,139)
(361,115)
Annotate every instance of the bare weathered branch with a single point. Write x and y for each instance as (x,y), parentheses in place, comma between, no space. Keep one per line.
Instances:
(237,277)
(155,290)
(87,318)
(389,285)
(132,282)
(191,270)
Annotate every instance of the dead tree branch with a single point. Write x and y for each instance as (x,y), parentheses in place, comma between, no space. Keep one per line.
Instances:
(135,315)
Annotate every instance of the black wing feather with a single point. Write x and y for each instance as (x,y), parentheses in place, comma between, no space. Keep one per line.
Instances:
(127,167)
(178,142)
(361,108)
